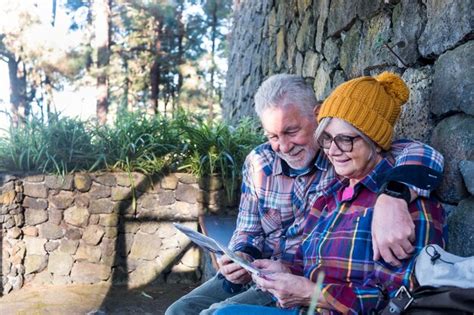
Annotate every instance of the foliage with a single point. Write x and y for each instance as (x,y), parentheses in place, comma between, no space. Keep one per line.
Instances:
(61,145)
(218,149)
(135,142)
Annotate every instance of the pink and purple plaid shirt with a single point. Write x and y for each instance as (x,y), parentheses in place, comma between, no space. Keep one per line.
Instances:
(337,240)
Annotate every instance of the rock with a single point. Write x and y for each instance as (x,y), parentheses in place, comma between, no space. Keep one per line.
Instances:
(100,191)
(59,182)
(106,179)
(166,198)
(461,229)
(35,190)
(124,243)
(35,246)
(453,138)
(35,263)
(62,200)
(34,217)
(145,247)
(467,171)
(280,47)
(93,234)
(82,200)
(68,246)
(8,197)
(343,13)
(55,216)
(73,234)
(169,182)
(14,232)
(186,178)
(60,263)
(121,193)
(51,246)
(76,216)
(34,203)
(102,206)
(149,201)
(138,179)
(143,275)
(82,182)
(311,63)
(415,122)
(88,253)
(212,198)
(406,28)
(306,33)
(453,81)
(321,29)
(211,183)
(108,219)
(94,219)
(186,193)
(30,231)
(448,24)
(34,178)
(50,231)
(89,273)
(149,227)
(322,82)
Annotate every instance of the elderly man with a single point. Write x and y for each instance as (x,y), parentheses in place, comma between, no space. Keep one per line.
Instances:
(283,177)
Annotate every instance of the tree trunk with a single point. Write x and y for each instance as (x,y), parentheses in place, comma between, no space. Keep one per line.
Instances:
(20,107)
(102,37)
(214,22)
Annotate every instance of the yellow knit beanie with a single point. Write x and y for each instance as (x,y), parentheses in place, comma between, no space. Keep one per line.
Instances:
(372,105)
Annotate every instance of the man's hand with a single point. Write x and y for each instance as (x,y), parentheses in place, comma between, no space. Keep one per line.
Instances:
(232,271)
(289,289)
(393,230)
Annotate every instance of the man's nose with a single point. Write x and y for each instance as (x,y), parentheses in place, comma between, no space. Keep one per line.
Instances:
(285,146)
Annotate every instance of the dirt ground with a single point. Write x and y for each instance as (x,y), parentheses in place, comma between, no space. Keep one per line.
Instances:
(91,299)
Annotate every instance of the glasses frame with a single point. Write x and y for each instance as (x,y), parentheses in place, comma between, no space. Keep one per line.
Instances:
(336,140)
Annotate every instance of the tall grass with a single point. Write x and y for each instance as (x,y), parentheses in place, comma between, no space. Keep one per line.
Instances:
(61,145)
(134,142)
(218,149)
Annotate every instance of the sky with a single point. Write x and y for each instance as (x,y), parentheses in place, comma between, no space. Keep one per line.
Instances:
(68,102)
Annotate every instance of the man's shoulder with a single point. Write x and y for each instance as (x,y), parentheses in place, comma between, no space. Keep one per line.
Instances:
(261,157)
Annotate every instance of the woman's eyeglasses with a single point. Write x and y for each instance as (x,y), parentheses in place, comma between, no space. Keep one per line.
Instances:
(343,142)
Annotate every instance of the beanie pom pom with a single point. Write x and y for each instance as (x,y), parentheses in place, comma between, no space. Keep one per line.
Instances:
(394,86)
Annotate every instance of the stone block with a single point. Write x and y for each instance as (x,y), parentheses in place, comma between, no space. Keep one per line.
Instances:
(138,179)
(149,227)
(124,243)
(73,233)
(453,138)
(93,234)
(82,182)
(35,190)
(34,178)
(448,23)
(7,197)
(30,231)
(186,193)
(311,64)
(169,182)
(145,246)
(453,81)
(88,253)
(461,229)
(106,179)
(68,246)
(59,182)
(121,193)
(14,233)
(108,219)
(34,217)
(81,200)
(467,171)
(76,216)
(35,246)
(100,191)
(102,206)
(35,263)
(89,273)
(211,183)
(186,178)
(50,231)
(149,201)
(94,219)
(51,246)
(35,203)
(143,275)
(55,216)
(60,263)
(62,200)
(166,198)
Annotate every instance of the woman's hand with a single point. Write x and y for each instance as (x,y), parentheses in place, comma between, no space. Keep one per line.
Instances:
(270,266)
(232,271)
(290,290)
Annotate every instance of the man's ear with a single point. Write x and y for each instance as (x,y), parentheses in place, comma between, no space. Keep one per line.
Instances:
(316,109)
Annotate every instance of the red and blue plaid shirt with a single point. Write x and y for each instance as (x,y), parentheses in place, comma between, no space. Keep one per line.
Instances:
(275,199)
(337,240)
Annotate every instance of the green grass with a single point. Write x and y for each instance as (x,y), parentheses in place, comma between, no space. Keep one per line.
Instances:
(134,142)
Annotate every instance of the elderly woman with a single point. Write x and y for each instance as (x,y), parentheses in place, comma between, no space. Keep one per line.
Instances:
(355,129)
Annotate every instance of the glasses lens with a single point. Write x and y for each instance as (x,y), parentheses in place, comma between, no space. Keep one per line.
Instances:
(325,140)
(344,143)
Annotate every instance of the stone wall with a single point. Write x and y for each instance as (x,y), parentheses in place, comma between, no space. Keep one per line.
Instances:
(91,228)
(329,41)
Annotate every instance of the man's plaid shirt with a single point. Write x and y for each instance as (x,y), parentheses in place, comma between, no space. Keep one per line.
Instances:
(276,200)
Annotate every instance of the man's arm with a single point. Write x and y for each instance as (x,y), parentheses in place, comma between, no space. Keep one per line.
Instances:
(419,167)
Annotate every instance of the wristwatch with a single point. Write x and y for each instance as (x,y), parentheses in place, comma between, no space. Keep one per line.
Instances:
(397,190)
